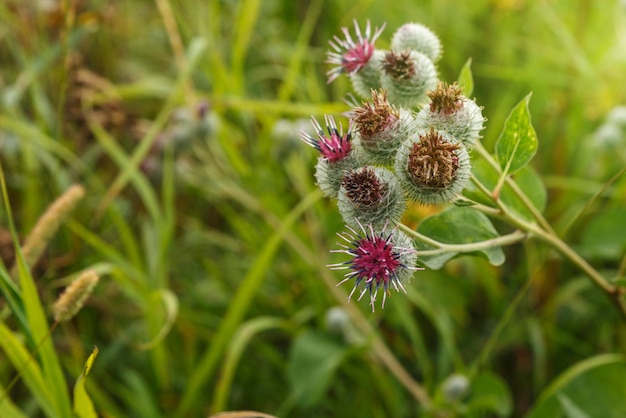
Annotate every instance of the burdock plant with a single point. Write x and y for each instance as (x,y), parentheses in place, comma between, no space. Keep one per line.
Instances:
(415,139)
(418,140)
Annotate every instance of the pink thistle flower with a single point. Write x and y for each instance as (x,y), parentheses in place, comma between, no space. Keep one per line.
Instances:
(350,56)
(334,147)
(379,260)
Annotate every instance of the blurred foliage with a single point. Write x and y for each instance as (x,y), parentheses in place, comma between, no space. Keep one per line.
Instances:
(180,119)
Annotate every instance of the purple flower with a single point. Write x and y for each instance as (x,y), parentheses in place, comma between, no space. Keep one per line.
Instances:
(334,147)
(351,56)
(379,260)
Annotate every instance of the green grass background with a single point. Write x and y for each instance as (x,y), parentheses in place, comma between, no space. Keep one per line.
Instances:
(203,218)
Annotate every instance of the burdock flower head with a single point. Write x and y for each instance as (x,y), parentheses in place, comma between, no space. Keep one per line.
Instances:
(371,195)
(417,37)
(336,154)
(350,56)
(382,128)
(451,111)
(433,167)
(379,260)
(359,59)
(407,76)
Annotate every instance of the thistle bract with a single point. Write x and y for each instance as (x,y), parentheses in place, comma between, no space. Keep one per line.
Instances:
(380,261)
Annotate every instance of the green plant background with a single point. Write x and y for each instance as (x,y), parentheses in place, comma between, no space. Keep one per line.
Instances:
(213,243)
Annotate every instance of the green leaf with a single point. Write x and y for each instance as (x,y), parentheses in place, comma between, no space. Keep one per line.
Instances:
(29,370)
(239,305)
(11,294)
(490,393)
(517,143)
(596,384)
(38,323)
(312,362)
(605,237)
(466,79)
(458,225)
(7,408)
(39,326)
(526,178)
(570,408)
(83,407)
(169,301)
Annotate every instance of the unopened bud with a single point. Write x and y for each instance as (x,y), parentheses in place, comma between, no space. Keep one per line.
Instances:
(417,37)
(372,195)
(452,112)
(407,76)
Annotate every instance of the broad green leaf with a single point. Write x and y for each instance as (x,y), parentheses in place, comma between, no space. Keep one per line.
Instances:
(83,407)
(596,385)
(526,178)
(466,79)
(490,393)
(517,143)
(312,362)
(605,237)
(458,225)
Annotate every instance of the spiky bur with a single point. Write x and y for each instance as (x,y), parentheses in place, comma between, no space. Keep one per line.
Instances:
(352,56)
(337,155)
(380,260)
(371,195)
(407,76)
(451,111)
(433,167)
(417,37)
(74,296)
(382,128)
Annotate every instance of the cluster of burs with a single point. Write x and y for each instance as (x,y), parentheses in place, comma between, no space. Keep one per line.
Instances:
(408,141)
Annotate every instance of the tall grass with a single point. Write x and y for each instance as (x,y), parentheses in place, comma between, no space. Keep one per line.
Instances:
(202,218)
